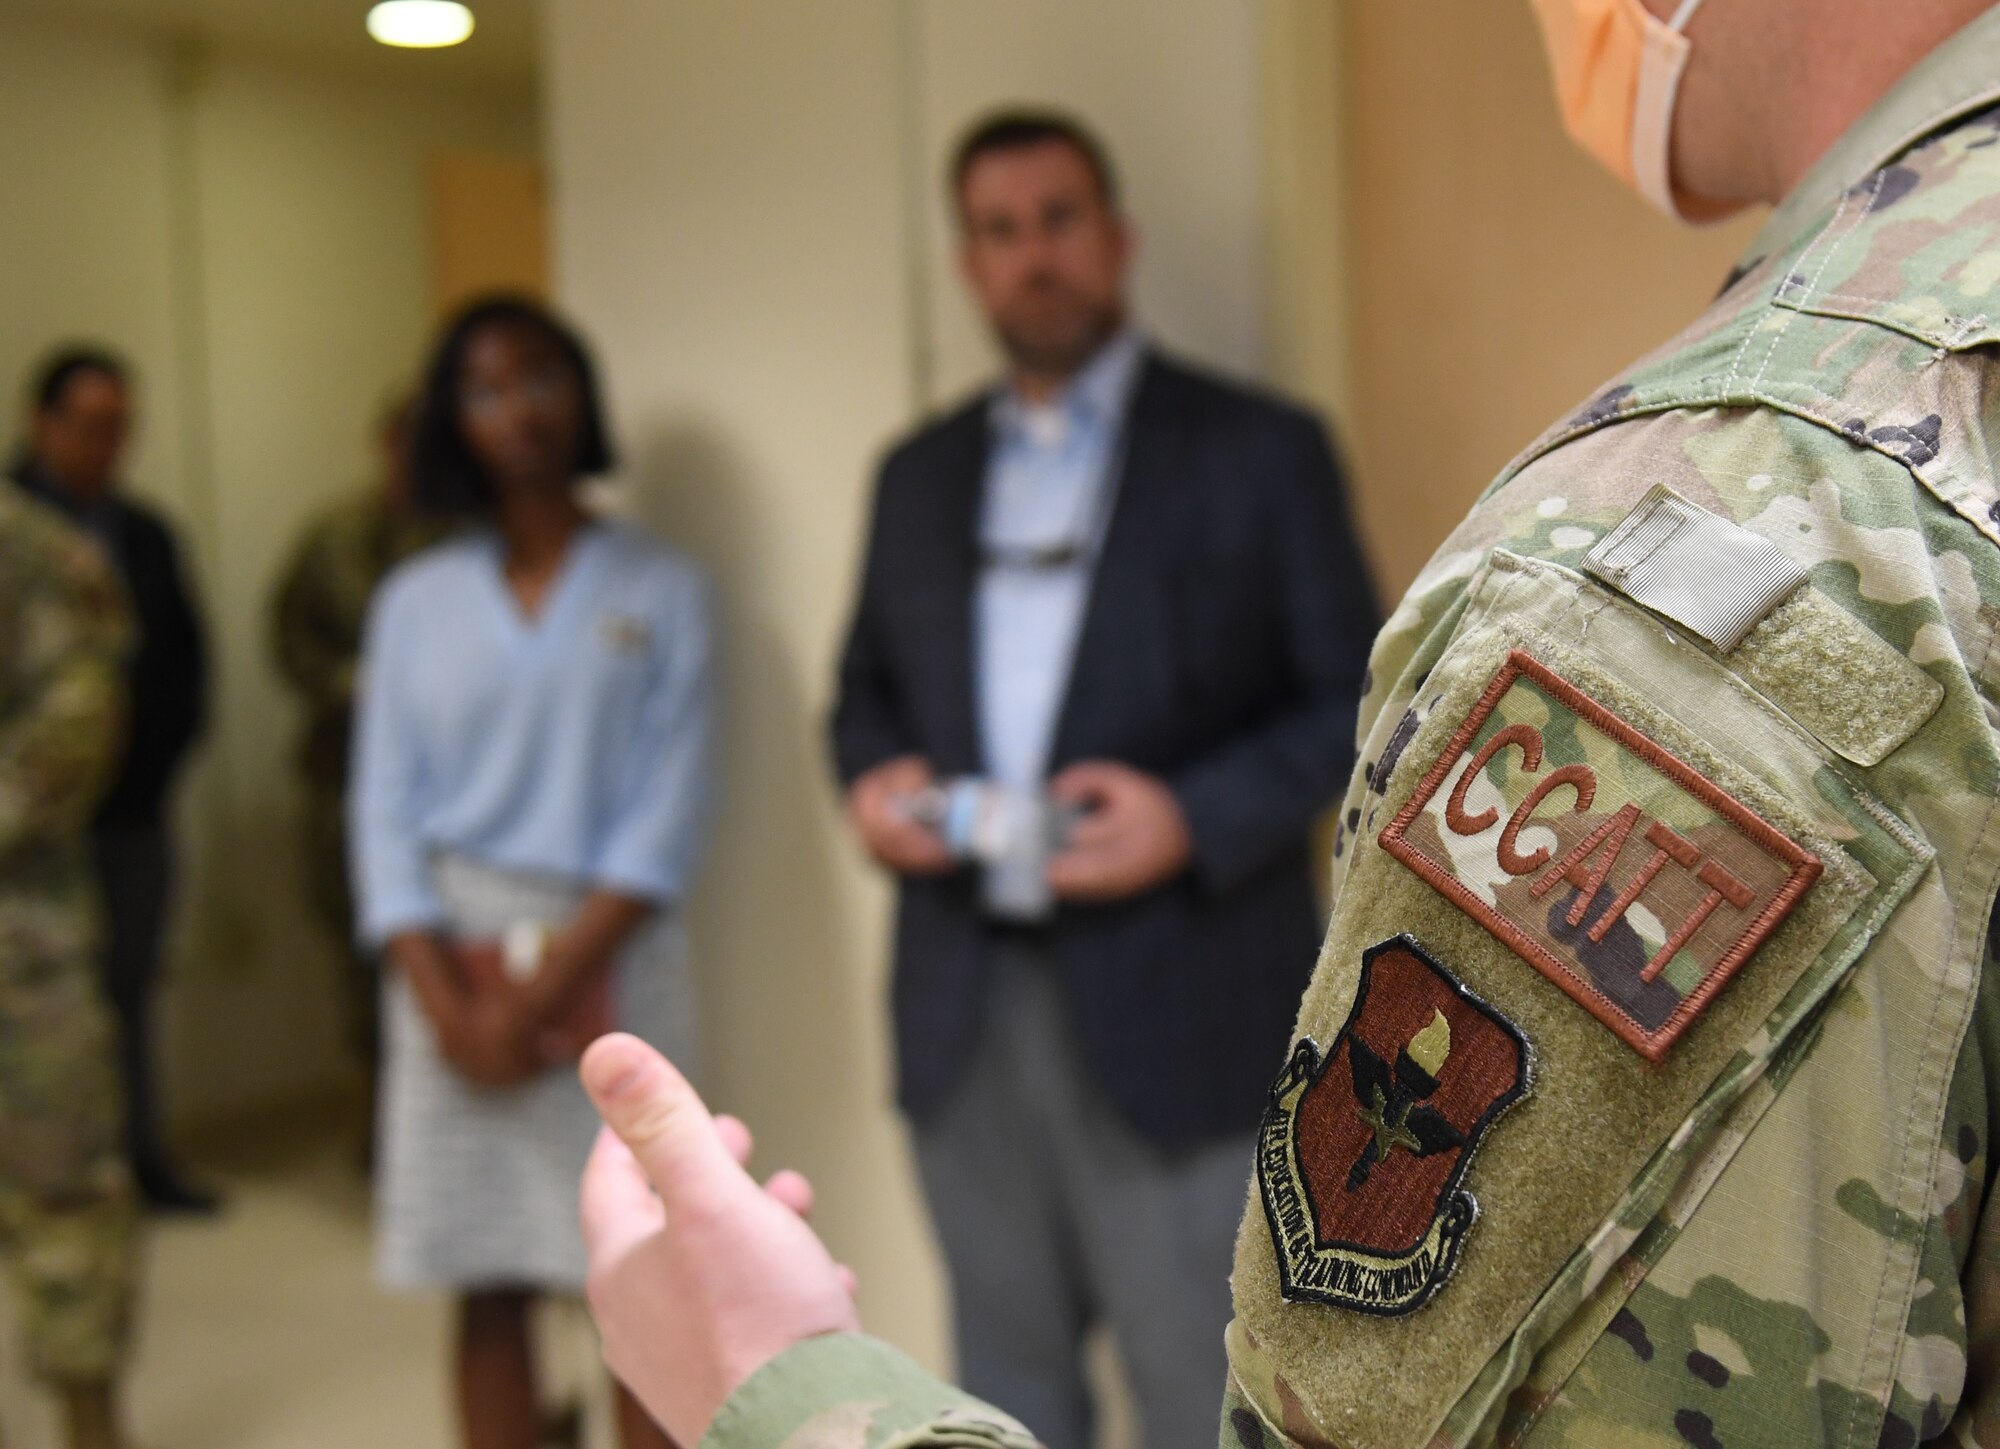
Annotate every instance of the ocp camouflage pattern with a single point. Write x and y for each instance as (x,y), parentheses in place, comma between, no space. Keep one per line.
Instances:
(846,1391)
(66,1206)
(316,618)
(1840,399)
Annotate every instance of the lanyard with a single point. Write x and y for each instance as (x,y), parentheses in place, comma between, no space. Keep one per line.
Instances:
(1084,535)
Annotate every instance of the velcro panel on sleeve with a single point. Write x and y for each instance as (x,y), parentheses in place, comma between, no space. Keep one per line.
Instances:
(1627,764)
(1846,684)
(1745,597)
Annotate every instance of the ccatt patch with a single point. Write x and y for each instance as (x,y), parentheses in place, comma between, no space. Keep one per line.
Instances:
(1362,1150)
(1619,871)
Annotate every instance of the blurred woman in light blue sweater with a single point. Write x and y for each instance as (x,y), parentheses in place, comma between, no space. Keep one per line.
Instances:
(531,782)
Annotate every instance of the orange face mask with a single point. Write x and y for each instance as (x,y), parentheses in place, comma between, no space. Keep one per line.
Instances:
(1617,72)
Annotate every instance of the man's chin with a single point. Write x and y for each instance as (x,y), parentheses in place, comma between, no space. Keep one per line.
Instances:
(1054,357)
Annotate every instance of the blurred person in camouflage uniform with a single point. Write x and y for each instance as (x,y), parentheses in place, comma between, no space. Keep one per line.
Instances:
(81,418)
(66,1200)
(316,618)
(1645,1093)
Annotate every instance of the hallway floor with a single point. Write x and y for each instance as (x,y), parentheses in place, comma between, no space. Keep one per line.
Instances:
(263,1329)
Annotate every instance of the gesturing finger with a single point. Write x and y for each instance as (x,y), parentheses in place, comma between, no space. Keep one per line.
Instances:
(793,1190)
(618,1205)
(662,1120)
(735,1137)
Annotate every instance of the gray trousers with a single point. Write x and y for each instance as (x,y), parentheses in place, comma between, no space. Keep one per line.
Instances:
(1054,1215)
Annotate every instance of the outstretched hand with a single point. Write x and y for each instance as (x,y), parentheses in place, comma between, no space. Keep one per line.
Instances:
(698,1276)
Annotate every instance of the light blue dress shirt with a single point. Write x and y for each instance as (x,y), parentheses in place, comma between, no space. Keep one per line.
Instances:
(574,744)
(1051,481)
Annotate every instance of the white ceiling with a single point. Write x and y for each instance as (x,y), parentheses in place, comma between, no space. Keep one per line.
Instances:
(502,51)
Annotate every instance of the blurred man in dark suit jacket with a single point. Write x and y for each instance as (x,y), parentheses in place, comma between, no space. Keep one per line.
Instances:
(80,417)
(1101,679)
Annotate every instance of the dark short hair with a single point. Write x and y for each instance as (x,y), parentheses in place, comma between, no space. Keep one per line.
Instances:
(445,477)
(1017,129)
(52,379)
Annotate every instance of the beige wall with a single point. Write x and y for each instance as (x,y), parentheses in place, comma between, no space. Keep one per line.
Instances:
(1307,297)
(87,251)
(254,234)
(1497,277)
(728,228)
(747,221)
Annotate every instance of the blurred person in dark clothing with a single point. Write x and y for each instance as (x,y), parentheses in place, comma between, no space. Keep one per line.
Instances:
(80,419)
(1101,679)
(317,614)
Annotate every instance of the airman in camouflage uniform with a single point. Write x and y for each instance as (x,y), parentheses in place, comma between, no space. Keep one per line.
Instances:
(66,1203)
(316,619)
(1645,1093)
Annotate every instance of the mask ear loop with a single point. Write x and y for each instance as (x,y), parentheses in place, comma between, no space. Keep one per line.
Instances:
(1667,201)
(1661,65)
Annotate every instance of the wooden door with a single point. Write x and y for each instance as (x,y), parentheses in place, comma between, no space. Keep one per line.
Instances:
(488,226)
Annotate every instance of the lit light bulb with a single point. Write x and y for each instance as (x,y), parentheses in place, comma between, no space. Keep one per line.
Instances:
(421,24)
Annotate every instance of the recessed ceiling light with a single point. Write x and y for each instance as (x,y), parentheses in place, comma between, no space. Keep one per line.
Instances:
(421,24)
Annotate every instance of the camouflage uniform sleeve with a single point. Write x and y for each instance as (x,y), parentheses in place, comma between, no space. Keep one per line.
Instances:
(845,1391)
(306,637)
(1969,1212)
(1244,1428)
(61,730)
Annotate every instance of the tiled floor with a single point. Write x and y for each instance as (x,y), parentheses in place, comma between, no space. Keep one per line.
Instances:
(263,1329)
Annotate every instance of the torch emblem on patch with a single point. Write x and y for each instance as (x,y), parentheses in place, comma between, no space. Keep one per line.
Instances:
(1363,1149)
(1391,1101)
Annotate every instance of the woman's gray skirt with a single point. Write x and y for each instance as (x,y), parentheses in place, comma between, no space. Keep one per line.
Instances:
(476,1187)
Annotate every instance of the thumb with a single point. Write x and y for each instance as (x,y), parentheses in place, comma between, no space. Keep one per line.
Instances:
(662,1120)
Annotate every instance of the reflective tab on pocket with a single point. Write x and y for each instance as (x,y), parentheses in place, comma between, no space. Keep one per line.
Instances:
(1707,574)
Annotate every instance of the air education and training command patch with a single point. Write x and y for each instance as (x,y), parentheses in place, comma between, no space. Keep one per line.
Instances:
(1616,869)
(1361,1151)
